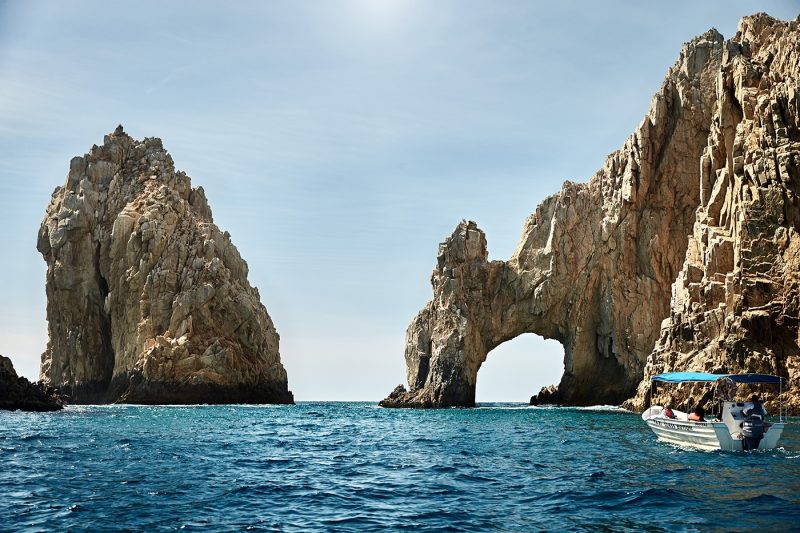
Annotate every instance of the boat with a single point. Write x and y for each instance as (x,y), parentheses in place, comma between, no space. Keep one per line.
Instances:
(736,426)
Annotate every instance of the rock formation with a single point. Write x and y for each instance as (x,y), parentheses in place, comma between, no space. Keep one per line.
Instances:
(596,261)
(147,300)
(736,302)
(17,393)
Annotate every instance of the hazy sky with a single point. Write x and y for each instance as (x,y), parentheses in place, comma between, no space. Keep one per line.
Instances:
(338,141)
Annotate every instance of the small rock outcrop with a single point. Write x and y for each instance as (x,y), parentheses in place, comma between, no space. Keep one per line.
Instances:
(736,302)
(147,300)
(17,393)
(596,262)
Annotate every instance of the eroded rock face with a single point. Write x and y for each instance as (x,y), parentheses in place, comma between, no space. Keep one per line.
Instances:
(736,302)
(591,267)
(17,393)
(596,261)
(147,300)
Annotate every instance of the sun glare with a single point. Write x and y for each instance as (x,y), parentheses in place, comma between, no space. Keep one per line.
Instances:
(382,14)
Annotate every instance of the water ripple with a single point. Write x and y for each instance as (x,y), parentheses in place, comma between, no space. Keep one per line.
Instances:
(353,467)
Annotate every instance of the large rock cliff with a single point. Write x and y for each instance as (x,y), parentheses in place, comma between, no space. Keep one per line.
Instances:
(736,302)
(147,300)
(596,261)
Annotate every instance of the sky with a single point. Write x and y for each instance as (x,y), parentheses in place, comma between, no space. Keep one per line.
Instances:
(338,142)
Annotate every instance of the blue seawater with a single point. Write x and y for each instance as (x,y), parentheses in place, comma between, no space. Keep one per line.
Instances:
(356,467)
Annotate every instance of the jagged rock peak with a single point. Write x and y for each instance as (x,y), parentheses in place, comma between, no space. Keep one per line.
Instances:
(735,304)
(147,300)
(595,263)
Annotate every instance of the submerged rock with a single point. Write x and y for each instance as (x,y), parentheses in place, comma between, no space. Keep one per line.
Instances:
(17,393)
(596,262)
(147,300)
(547,396)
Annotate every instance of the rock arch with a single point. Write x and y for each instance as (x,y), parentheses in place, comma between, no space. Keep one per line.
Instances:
(518,366)
(592,268)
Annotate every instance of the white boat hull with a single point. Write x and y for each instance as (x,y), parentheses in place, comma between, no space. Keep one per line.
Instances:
(706,435)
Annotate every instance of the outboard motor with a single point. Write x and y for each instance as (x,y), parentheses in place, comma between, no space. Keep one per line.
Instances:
(752,432)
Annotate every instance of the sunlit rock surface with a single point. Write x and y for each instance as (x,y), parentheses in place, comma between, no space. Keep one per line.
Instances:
(703,191)
(147,300)
(736,302)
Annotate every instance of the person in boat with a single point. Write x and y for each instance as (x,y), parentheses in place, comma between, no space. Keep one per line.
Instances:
(667,410)
(757,409)
(697,415)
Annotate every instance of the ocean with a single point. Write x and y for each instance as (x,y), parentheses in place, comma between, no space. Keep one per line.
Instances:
(324,466)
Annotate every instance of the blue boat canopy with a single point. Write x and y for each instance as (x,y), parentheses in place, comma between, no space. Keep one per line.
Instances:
(686,377)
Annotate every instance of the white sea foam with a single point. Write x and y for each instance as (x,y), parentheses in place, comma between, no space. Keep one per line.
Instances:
(602,408)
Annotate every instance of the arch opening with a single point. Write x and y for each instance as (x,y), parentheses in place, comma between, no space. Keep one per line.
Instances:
(518,369)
